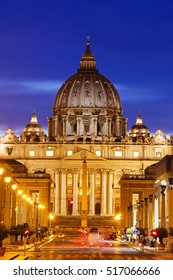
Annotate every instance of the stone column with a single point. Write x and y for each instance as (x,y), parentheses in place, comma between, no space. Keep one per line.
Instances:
(63,192)
(84,204)
(118,126)
(78,126)
(57,198)
(50,132)
(103,193)
(95,127)
(110,192)
(130,215)
(91,201)
(56,125)
(146,212)
(64,126)
(75,193)
(109,126)
(142,213)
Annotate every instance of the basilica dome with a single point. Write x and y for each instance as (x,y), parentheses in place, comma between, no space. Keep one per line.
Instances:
(87,88)
(139,129)
(87,104)
(33,131)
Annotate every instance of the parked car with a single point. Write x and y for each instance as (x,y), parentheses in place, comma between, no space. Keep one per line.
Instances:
(112,236)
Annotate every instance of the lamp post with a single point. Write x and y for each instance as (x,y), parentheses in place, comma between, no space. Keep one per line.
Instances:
(1,194)
(170,214)
(163,218)
(13,205)
(170,202)
(142,213)
(7,202)
(150,210)
(19,216)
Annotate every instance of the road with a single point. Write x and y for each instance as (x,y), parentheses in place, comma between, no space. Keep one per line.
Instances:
(77,248)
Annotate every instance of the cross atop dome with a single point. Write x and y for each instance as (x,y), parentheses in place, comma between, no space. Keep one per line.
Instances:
(88,39)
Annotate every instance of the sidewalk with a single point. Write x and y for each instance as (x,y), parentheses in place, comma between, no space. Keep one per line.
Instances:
(18,252)
(165,254)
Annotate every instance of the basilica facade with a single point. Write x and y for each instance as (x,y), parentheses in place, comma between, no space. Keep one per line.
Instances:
(87,125)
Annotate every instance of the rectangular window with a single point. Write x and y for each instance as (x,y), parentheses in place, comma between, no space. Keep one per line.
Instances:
(69,153)
(32,153)
(136,154)
(98,153)
(158,152)
(49,153)
(118,153)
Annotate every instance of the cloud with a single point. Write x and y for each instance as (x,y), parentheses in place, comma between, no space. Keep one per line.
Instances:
(25,87)
(42,85)
(138,94)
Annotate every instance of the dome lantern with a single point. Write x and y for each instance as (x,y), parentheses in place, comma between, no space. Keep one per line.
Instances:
(87,61)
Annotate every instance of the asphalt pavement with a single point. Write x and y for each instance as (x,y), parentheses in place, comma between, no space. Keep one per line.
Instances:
(19,253)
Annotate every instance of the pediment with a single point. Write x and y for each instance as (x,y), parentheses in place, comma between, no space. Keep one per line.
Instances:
(9,137)
(84,154)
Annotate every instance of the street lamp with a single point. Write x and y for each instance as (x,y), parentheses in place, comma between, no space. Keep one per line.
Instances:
(6,214)
(1,195)
(146,212)
(7,180)
(19,207)
(13,205)
(163,189)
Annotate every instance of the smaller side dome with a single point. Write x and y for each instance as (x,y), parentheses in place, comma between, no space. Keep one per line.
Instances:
(139,129)
(33,131)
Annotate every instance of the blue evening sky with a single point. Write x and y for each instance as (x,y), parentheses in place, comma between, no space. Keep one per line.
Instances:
(41,43)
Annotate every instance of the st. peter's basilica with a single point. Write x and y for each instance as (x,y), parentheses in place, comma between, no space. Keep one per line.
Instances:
(88,168)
